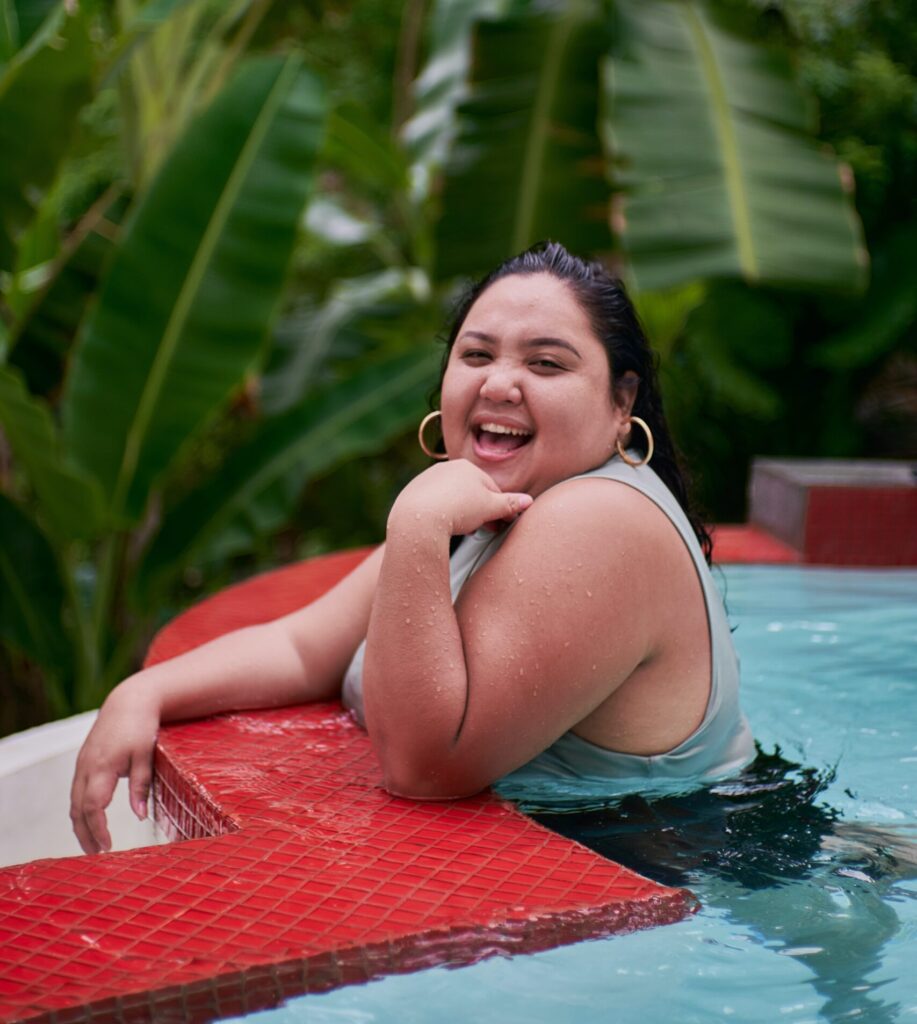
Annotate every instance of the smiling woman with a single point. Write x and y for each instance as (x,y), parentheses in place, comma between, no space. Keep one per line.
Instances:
(575,629)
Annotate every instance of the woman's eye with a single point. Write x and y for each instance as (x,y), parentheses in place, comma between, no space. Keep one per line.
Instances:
(475,355)
(547,364)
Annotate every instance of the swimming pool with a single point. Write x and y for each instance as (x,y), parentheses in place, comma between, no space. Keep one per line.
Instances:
(830,676)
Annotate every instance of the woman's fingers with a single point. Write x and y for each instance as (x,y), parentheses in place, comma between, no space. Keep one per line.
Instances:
(514,505)
(518,502)
(141,775)
(91,796)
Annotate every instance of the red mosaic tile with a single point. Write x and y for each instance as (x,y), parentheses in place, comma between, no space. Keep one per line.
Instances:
(298,872)
(857,512)
(747,544)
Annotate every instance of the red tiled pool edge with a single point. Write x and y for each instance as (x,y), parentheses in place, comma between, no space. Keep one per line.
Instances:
(747,544)
(317,878)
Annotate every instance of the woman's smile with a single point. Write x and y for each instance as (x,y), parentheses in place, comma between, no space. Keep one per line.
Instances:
(524,369)
(495,440)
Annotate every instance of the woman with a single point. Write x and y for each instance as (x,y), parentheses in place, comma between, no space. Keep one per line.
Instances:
(576,631)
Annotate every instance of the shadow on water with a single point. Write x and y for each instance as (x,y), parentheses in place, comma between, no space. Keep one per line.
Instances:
(769,851)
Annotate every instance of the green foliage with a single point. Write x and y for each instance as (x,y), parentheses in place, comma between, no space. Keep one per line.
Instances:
(69,500)
(47,82)
(342,421)
(32,596)
(526,163)
(211,241)
(729,180)
(222,274)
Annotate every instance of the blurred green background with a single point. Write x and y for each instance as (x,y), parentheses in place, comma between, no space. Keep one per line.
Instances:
(231,233)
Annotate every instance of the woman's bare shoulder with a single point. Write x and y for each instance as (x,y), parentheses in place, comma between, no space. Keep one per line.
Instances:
(607,518)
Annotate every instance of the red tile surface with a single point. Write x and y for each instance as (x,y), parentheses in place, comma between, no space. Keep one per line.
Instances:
(750,545)
(869,526)
(856,512)
(299,873)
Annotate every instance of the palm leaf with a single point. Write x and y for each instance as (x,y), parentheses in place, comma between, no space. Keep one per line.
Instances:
(70,503)
(712,145)
(196,281)
(526,162)
(355,417)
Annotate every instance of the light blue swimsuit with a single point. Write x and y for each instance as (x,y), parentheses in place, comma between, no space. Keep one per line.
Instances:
(720,746)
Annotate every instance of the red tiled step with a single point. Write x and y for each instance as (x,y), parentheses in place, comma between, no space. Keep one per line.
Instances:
(748,544)
(302,873)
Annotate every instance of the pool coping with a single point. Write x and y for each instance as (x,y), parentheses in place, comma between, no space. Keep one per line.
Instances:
(298,872)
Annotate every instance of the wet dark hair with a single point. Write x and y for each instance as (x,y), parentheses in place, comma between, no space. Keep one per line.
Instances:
(631,361)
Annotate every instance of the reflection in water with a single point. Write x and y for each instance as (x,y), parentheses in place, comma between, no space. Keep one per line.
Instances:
(766,849)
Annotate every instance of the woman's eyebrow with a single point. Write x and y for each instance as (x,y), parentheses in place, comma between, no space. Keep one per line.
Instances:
(479,336)
(529,343)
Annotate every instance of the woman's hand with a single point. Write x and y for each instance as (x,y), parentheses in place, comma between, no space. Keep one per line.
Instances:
(120,744)
(456,497)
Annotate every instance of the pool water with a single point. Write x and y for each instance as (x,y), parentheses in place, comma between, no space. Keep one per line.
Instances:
(806,869)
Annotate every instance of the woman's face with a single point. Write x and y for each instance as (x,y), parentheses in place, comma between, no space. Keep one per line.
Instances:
(527,392)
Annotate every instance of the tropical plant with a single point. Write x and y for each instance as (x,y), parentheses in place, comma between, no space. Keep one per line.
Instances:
(198,342)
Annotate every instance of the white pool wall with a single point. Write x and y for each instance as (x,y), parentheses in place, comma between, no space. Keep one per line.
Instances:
(36,767)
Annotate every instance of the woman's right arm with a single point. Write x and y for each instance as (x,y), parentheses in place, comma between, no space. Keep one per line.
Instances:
(296,658)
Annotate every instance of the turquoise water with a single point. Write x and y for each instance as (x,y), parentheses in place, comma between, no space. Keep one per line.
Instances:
(820,922)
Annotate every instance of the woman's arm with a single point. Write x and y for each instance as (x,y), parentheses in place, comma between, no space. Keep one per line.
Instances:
(299,657)
(565,612)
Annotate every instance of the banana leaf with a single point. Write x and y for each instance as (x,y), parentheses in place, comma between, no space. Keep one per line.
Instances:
(23,18)
(713,151)
(46,83)
(9,31)
(41,340)
(355,417)
(306,339)
(32,594)
(364,150)
(526,162)
(443,82)
(38,248)
(69,502)
(195,283)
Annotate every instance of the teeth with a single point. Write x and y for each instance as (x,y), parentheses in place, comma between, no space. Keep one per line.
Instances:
(498,428)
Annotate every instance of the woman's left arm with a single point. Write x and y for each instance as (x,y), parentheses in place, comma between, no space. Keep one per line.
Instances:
(456,697)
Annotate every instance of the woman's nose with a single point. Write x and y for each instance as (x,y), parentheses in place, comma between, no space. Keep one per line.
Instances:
(501,385)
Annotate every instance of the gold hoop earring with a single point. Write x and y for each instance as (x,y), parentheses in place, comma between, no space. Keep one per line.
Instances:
(439,456)
(649,445)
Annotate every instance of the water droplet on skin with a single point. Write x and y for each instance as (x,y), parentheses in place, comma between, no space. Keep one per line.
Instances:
(417,570)
(407,622)
(588,593)
(566,643)
(417,515)
(594,667)
(521,671)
